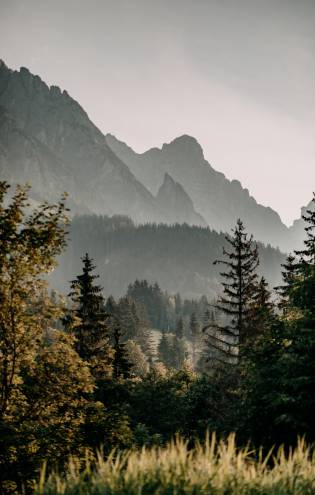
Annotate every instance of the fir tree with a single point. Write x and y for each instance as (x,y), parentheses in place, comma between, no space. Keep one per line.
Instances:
(227,341)
(288,277)
(263,310)
(303,290)
(164,350)
(121,364)
(285,408)
(88,319)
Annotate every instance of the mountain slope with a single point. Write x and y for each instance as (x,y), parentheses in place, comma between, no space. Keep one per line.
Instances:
(218,200)
(296,232)
(180,258)
(48,140)
(176,204)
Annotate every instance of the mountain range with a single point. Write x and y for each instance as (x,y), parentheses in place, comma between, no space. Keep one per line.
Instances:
(47,139)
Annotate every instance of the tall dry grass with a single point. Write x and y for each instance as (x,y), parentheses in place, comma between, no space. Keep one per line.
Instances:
(214,467)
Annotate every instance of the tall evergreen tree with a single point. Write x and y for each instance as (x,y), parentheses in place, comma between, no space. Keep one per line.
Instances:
(121,364)
(164,350)
(303,290)
(263,309)
(88,319)
(227,341)
(288,277)
(281,409)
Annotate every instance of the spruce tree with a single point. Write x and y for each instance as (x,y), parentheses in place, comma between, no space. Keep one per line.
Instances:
(288,277)
(263,309)
(303,290)
(89,320)
(121,365)
(278,410)
(164,350)
(227,341)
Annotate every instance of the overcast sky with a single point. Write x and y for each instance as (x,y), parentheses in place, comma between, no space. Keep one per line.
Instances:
(239,75)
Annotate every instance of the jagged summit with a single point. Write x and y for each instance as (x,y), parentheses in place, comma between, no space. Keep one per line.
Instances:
(176,203)
(184,142)
(217,199)
(168,180)
(3,64)
(48,140)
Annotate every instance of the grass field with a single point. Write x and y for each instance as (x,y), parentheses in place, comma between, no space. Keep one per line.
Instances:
(217,468)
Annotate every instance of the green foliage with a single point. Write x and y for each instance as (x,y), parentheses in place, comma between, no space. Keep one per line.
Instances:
(121,365)
(280,374)
(158,402)
(177,257)
(28,246)
(88,320)
(226,342)
(106,428)
(51,407)
(44,382)
(137,359)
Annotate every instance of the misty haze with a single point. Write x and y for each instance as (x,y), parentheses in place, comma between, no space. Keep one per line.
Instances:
(157,253)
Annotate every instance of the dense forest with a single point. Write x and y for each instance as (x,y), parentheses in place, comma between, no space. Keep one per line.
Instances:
(85,371)
(179,257)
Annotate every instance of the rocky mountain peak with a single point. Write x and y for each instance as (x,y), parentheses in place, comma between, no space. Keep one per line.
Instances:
(176,204)
(184,145)
(168,181)
(3,65)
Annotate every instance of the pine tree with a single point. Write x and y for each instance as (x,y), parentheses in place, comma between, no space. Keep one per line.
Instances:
(288,277)
(143,334)
(303,290)
(281,409)
(227,341)
(164,350)
(89,320)
(263,310)
(121,365)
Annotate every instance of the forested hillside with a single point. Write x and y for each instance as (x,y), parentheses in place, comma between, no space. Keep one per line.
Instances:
(179,257)
(82,372)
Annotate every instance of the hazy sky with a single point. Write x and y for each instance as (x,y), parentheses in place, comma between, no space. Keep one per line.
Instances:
(239,75)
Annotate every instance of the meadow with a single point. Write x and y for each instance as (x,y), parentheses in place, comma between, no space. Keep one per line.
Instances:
(212,467)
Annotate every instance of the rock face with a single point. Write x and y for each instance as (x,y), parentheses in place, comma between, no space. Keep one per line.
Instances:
(176,205)
(220,201)
(48,140)
(296,231)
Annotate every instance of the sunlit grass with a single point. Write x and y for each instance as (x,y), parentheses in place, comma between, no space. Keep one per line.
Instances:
(213,467)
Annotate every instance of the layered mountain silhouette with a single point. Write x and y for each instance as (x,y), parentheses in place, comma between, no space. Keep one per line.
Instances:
(47,139)
(219,200)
